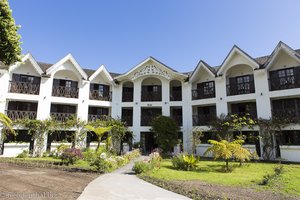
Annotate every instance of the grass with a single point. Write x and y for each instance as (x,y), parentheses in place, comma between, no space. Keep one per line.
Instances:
(249,175)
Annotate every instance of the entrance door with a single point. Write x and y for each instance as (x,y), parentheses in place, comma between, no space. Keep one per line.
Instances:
(148,142)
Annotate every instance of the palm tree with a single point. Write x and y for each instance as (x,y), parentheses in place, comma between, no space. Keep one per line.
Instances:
(228,150)
(99,131)
(6,126)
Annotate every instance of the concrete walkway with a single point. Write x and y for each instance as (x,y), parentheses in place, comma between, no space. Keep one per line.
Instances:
(123,184)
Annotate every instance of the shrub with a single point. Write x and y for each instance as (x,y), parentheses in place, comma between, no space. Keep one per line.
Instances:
(89,155)
(70,156)
(148,164)
(24,154)
(141,167)
(102,164)
(184,162)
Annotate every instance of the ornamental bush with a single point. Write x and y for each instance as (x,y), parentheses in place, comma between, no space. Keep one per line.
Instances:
(71,155)
(184,162)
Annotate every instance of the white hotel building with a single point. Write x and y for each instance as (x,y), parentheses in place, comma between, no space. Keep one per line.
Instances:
(264,86)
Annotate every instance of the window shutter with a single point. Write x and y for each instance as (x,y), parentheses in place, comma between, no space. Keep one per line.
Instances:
(55,82)
(74,84)
(37,80)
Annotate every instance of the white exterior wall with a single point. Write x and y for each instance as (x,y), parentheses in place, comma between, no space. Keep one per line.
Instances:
(235,65)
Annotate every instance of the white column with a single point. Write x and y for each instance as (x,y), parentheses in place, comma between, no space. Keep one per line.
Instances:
(83,106)
(221,96)
(165,97)
(187,123)
(137,109)
(116,101)
(44,103)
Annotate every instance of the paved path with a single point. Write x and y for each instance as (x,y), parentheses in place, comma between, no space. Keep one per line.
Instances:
(122,184)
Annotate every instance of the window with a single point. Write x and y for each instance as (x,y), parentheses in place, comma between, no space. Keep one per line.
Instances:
(289,138)
(68,84)
(208,88)
(243,83)
(26,79)
(286,76)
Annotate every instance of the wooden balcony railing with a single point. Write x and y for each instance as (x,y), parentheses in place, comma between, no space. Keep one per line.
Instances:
(96,95)
(178,119)
(243,88)
(151,96)
(92,118)
(203,119)
(201,94)
(175,96)
(68,92)
(128,120)
(127,96)
(282,83)
(62,116)
(24,88)
(19,114)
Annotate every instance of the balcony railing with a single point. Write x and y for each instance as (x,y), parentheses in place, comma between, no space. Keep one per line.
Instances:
(96,95)
(252,114)
(128,120)
(92,118)
(175,96)
(282,83)
(289,115)
(62,91)
(127,97)
(24,88)
(201,94)
(62,116)
(178,119)
(203,119)
(151,96)
(19,114)
(242,88)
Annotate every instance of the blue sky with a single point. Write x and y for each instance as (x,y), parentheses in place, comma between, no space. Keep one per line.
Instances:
(120,34)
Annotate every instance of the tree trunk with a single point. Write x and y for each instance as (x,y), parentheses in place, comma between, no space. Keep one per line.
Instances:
(98,146)
(226,168)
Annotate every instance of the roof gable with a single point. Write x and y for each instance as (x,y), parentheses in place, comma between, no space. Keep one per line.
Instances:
(203,65)
(100,70)
(28,57)
(231,58)
(151,66)
(70,58)
(281,47)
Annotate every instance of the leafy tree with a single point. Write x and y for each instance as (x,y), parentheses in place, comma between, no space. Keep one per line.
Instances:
(99,130)
(80,130)
(118,133)
(196,139)
(10,50)
(228,150)
(166,132)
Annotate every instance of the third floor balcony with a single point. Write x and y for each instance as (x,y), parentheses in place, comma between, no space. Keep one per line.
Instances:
(100,92)
(65,88)
(240,85)
(24,84)
(204,90)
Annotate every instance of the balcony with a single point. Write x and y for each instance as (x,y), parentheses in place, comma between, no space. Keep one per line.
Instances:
(24,87)
(290,115)
(242,88)
(151,96)
(283,83)
(175,96)
(62,117)
(20,114)
(203,119)
(92,118)
(203,94)
(177,119)
(62,91)
(128,120)
(97,95)
(127,96)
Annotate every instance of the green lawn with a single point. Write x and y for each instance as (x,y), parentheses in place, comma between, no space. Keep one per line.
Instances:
(249,175)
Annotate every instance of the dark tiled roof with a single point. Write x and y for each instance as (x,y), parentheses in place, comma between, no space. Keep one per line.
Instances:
(44,66)
(89,72)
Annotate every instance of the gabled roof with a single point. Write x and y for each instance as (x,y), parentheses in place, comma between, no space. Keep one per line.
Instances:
(98,71)
(205,66)
(34,63)
(274,54)
(236,49)
(150,58)
(70,58)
